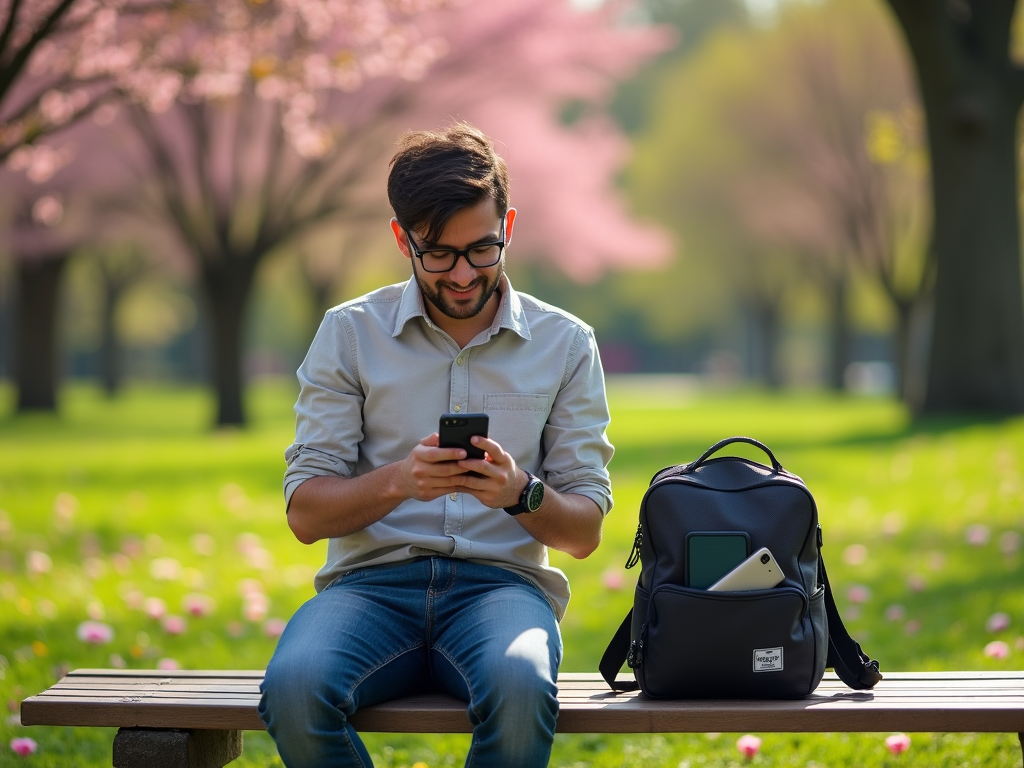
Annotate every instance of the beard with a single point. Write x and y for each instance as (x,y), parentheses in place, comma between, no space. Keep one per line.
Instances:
(455,309)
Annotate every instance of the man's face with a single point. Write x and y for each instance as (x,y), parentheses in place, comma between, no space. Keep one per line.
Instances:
(464,291)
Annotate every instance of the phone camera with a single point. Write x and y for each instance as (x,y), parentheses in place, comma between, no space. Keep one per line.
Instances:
(765,558)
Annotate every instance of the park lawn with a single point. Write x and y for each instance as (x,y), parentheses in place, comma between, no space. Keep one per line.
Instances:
(116,510)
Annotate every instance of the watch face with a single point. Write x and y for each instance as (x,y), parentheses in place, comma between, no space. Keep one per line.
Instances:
(535,496)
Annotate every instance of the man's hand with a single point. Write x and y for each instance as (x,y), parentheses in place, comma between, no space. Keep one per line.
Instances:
(499,482)
(429,471)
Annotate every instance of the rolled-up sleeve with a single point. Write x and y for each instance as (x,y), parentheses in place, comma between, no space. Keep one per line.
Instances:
(328,412)
(576,448)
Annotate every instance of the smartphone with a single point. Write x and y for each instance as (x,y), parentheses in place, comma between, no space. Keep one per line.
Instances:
(759,571)
(712,554)
(456,429)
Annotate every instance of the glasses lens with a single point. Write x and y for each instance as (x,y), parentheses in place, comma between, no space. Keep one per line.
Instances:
(485,255)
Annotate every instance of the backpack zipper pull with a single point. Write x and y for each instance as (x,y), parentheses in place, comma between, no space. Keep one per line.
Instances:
(634,555)
(635,657)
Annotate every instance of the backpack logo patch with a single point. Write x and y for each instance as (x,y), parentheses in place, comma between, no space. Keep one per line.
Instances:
(768,660)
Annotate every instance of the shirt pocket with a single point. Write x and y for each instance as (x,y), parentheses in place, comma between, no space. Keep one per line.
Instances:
(517,422)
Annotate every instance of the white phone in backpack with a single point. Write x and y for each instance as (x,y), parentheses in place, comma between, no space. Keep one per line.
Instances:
(759,571)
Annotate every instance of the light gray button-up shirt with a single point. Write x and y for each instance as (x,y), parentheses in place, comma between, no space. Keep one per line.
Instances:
(375,382)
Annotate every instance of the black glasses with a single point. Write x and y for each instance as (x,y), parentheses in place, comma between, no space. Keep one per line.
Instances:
(444,259)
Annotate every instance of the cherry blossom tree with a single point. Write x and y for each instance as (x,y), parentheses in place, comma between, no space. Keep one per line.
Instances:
(63,59)
(241,177)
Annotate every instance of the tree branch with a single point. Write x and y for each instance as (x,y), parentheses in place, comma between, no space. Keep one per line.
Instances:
(8,31)
(10,72)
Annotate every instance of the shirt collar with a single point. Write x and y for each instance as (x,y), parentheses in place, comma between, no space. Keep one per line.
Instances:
(510,311)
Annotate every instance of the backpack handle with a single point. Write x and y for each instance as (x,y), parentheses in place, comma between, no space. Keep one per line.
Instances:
(722,443)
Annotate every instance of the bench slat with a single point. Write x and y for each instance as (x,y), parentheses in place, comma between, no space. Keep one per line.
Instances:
(226,700)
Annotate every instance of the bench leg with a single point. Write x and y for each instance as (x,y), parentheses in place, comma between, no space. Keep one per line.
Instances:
(158,748)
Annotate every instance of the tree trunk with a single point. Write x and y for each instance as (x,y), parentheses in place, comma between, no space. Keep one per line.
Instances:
(913,332)
(110,347)
(971,96)
(763,335)
(38,286)
(226,291)
(839,334)
(977,351)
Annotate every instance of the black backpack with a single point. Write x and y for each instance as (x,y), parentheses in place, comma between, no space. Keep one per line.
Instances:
(682,640)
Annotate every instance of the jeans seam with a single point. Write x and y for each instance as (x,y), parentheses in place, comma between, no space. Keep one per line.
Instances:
(351,692)
(465,678)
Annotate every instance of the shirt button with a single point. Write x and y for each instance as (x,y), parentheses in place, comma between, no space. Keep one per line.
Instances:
(457,408)
(453,496)
(460,360)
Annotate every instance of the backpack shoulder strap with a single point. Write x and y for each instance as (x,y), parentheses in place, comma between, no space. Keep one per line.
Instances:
(615,654)
(844,653)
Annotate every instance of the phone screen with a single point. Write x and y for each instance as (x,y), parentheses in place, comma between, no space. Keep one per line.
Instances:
(712,554)
(455,430)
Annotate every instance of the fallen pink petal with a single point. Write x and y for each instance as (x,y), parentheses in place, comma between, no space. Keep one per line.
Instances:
(978,535)
(858,594)
(997,649)
(748,745)
(997,622)
(198,604)
(274,627)
(174,625)
(24,746)
(613,580)
(898,743)
(95,632)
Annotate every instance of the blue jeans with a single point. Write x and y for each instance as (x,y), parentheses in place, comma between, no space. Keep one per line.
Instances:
(483,634)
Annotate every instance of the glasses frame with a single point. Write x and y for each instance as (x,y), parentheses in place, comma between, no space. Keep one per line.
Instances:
(463,252)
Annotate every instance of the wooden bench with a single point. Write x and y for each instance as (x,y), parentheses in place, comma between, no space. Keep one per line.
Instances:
(195,719)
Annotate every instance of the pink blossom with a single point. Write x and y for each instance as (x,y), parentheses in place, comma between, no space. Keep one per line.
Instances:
(997,649)
(168,664)
(274,627)
(858,593)
(855,554)
(1009,543)
(895,612)
(912,627)
(24,746)
(898,743)
(748,745)
(613,580)
(997,622)
(154,607)
(95,632)
(174,625)
(916,582)
(256,607)
(198,604)
(977,535)
(38,562)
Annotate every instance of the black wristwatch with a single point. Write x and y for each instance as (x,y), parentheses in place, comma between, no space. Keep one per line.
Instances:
(531,498)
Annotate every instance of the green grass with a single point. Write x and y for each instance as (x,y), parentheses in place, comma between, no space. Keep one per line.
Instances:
(107,489)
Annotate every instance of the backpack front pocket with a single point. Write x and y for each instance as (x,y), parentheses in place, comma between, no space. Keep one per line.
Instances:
(757,644)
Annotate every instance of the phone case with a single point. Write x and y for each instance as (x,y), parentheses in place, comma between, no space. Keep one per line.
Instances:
(759,571)
(455,429)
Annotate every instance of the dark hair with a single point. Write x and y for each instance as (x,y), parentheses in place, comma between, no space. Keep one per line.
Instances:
(435,174)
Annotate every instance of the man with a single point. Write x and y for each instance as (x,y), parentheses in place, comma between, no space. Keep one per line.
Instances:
(437,574)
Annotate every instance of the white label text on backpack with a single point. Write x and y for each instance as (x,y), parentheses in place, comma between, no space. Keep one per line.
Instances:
(768,660)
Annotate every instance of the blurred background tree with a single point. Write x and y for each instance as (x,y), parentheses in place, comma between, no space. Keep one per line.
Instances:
(972,90)
(729,189)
